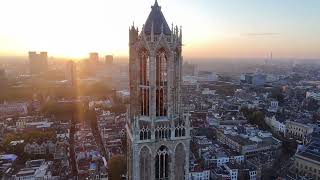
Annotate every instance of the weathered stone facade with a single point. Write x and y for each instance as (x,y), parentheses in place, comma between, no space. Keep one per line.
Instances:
(158,132)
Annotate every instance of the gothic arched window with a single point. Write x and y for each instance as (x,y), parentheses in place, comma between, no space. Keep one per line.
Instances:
(144,82)
(180,159)
(162,164)
(145,165)
(176,79)
(161,83)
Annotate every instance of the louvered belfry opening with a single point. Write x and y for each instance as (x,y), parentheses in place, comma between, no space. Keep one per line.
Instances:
(144,83)
(161,83)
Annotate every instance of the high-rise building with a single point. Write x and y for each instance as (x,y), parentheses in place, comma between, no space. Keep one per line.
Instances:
(94,58)
(3,78)
(38,62)
(189,69)
(109,60)
(71,73)
(157,130)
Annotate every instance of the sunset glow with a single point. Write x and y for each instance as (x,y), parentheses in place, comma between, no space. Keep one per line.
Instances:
(212,28)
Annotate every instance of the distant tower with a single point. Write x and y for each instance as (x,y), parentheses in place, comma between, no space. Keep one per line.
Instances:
(94,58)
(157,130)
(3,79)
(71,73)
(38,62)
(2,74)
(109,60)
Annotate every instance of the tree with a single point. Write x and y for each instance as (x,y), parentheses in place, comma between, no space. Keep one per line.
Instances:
(277,94)
(117,167)
(255,117)
(27,137)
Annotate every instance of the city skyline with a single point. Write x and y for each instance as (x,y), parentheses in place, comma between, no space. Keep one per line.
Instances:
(213,29)
(229,90)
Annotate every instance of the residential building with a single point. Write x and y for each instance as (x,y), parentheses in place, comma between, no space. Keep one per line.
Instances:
(234,171)
(199,175)
(250,142)
(13,108)
(44,148)
(35,170)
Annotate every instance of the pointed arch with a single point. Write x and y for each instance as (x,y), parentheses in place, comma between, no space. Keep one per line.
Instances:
(144,79)
(163,45)
(161,82)
(180,161)
(145,163)
(162,163)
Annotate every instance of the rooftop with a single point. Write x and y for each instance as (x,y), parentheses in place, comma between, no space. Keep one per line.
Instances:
(157,21)
(311,152)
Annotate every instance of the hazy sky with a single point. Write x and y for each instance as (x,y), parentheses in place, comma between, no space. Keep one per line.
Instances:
(212,28)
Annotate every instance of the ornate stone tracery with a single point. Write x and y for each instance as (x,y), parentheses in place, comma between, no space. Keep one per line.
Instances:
(162,163)
(157,131)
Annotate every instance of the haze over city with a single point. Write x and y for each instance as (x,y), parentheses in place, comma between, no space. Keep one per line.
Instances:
(212,28)
(159,90)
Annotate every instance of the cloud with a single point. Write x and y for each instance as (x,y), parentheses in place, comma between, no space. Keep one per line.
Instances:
(265,34)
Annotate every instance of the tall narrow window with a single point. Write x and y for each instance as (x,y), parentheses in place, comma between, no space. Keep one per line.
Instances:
(161,83)
(176,82)
(144,83)
(180,156)
(145,164)
(162,164)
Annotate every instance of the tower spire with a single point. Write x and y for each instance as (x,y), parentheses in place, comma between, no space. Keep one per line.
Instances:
(156,3)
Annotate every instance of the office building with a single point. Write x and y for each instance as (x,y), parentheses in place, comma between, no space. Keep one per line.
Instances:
(109,60)
(38,62)
(94,58)
(71,73)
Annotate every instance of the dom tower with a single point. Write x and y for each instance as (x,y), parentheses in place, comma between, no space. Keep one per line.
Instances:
(158,132)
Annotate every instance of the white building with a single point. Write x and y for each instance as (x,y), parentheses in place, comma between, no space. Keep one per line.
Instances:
(274,106)
(275,125)
(199,175)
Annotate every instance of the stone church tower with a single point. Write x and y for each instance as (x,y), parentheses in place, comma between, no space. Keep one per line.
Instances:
(158,132)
